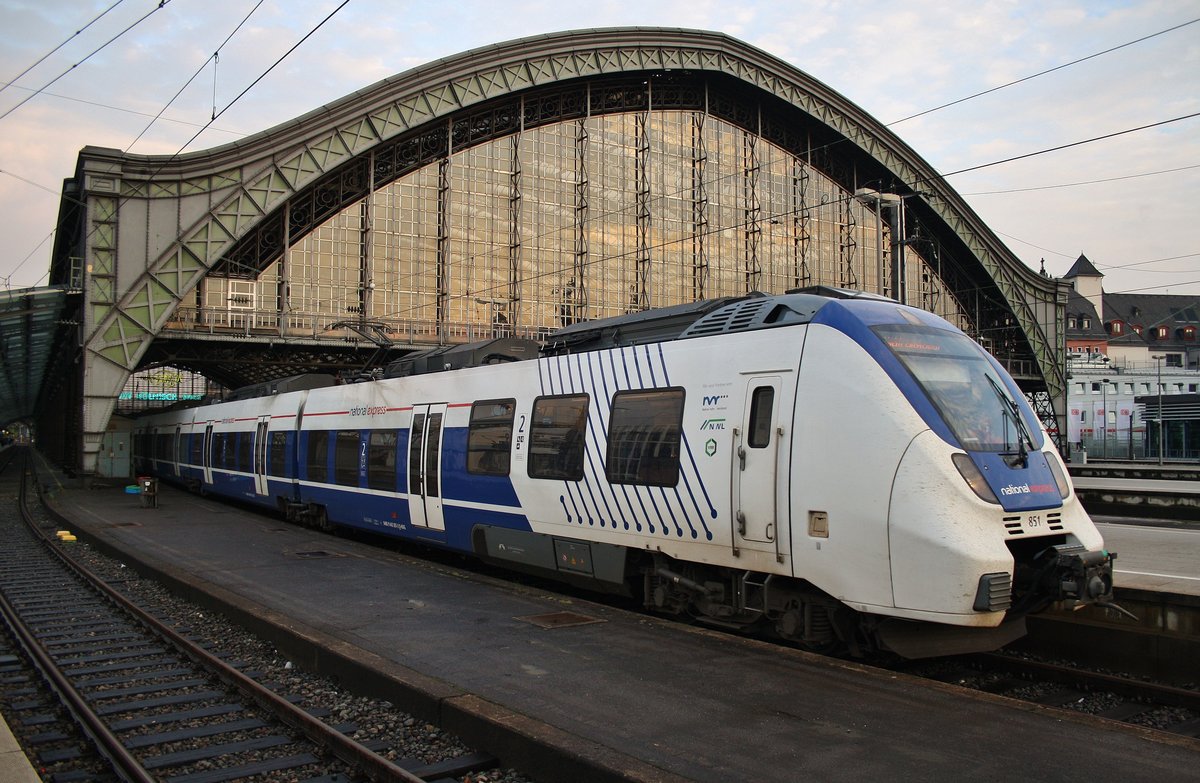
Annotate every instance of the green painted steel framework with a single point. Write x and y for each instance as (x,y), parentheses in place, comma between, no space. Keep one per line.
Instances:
(138,234)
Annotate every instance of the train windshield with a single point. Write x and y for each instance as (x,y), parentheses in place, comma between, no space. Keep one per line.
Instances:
(965,387)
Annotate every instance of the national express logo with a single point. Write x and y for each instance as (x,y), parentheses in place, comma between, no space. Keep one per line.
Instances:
(1026,489)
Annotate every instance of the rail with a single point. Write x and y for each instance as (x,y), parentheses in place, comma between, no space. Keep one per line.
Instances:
(322,736)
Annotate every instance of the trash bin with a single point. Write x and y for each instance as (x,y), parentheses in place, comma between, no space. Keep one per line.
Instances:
(149,491)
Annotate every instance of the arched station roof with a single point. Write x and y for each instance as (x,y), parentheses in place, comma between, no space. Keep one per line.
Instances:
(231,210)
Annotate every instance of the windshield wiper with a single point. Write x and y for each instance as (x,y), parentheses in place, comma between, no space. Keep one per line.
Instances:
(1023,435)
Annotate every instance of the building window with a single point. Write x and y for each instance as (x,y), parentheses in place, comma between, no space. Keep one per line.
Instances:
(1138,328)
(1129,388)
(1116,328)
(644,437)
(1159,333)
(556,437)
(489,437)
(1071,322)
(1085,323)
(1188,333)
(1174,360)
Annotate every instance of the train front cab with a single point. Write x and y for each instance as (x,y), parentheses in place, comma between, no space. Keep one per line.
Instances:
(984,526)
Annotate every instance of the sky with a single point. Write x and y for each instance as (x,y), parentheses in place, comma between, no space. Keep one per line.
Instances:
(1130,202)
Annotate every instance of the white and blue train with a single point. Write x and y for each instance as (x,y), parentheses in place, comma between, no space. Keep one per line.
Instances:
(841,470)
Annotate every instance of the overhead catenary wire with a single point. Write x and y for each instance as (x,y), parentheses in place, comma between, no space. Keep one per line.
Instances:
(161,4)
(1042,73)
(50,53)
(216,113)
(213,59)
(1084,182)
(206,125)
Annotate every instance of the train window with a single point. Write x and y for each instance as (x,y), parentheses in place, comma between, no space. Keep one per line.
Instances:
(317,455)
(644,436)
(381,460)
(556,437)
(219,449)
(162,447)
(762,409)
(245,451)
(433,434)
(277,457)
(345,458)
(489,437)
(972,396)
(197,448)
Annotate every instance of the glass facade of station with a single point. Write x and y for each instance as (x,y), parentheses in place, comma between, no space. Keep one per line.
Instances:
(581,219)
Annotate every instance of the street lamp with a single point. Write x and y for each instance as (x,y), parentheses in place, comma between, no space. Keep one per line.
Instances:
(1161,441)
(895,204)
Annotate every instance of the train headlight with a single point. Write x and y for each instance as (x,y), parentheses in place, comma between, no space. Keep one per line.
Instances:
(1060,475)
(970,473)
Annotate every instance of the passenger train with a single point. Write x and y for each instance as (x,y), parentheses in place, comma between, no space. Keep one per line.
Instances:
(830,466)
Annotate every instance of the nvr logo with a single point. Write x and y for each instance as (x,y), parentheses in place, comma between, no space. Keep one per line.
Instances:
(713,424)
(712,400)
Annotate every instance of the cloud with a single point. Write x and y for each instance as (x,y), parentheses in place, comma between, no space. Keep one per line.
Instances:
(893,61)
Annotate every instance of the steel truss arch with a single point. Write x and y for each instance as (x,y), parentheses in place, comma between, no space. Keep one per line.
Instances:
(235,208)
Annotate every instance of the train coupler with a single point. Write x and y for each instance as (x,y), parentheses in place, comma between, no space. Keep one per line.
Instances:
(1079,578)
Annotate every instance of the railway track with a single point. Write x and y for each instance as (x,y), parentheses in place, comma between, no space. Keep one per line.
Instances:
(149,702)
(1116,697)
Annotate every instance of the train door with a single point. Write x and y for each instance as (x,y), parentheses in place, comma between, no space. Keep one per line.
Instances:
(206,457)
(424,462)
(260,456)
(176,450)
(759,452)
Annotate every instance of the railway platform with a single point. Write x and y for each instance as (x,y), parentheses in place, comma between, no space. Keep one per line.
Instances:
(570,690)
(14,765)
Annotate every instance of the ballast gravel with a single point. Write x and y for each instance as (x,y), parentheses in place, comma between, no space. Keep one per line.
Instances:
(379,724)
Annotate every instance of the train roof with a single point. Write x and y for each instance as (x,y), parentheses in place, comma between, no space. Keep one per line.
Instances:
(457,357)
(308,380)
(705,318)
(710,317)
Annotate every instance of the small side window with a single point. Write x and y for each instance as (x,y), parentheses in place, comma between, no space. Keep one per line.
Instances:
(556,437)
(317,454)
(762,408)
(489,437)
(277,458)
(381,460)
(245,451)
(346,458)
